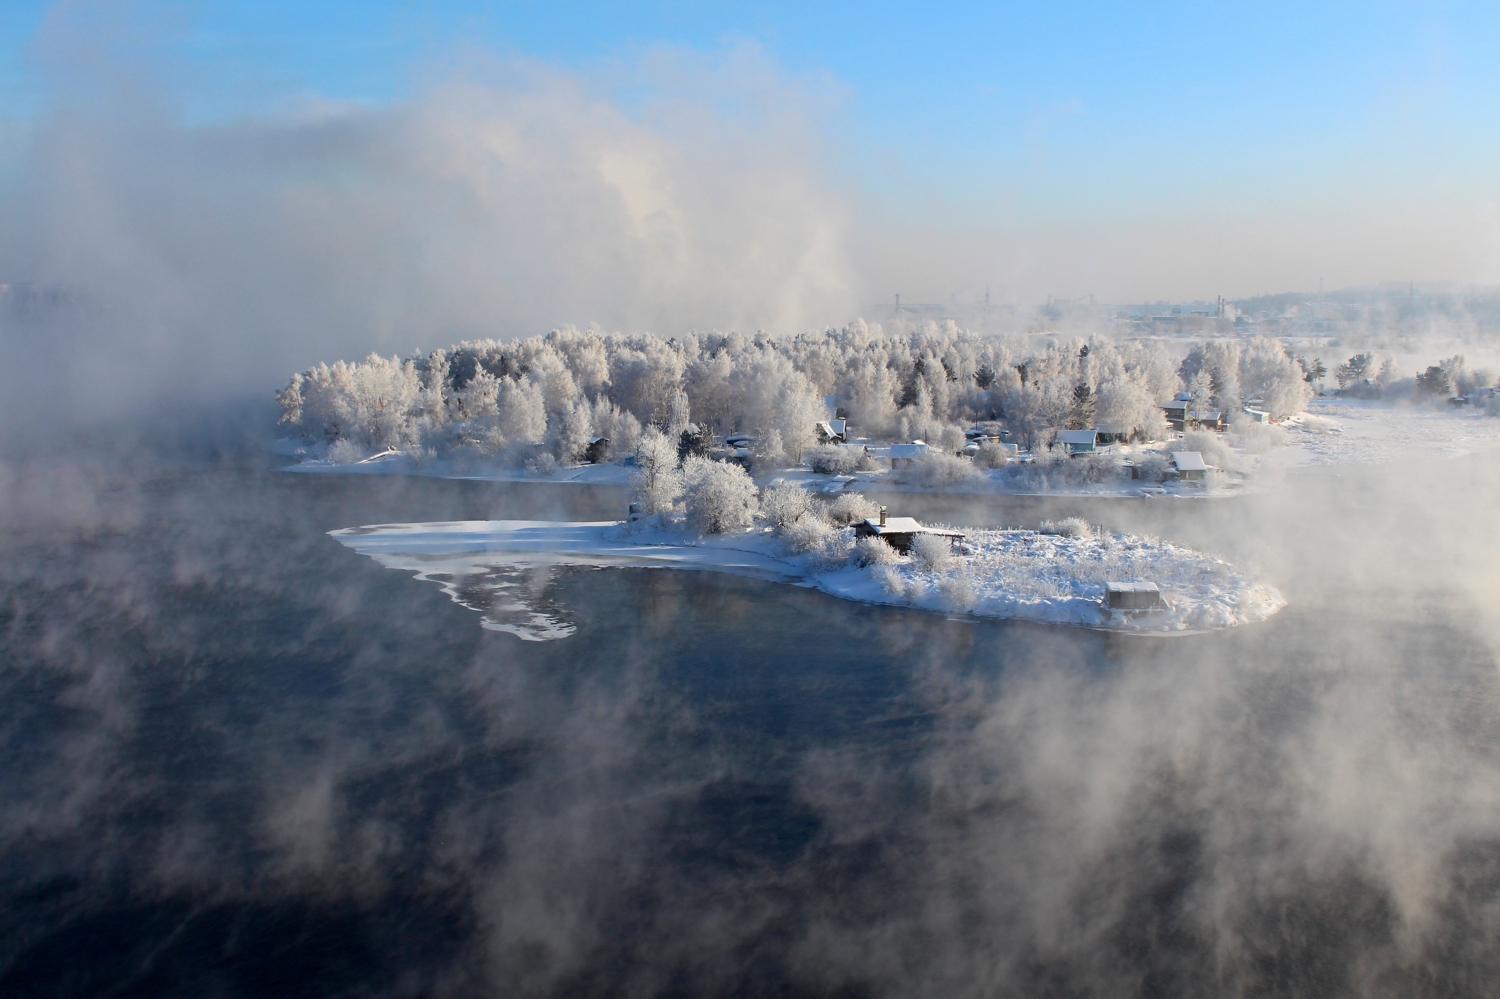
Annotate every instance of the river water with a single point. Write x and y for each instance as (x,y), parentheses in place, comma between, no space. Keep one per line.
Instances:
(240,759)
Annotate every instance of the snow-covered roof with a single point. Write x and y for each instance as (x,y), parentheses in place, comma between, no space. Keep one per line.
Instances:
(1189,461)
(1075,437)
(905,525)
(1136,587)
(915,449)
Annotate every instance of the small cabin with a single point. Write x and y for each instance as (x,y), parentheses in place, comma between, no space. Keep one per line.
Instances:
(1136,596)
(1190,466)
(595,450)
(1257,415)
(831,431)
(902,455)
(899,532)
(1111,433)
(1078,441)
(1206,419)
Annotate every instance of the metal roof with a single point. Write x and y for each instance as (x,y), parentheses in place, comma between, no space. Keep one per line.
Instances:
(1189,461)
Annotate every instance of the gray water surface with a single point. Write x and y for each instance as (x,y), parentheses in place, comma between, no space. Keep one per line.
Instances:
(240,759)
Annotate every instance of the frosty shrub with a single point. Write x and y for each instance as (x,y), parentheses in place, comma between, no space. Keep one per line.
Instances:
(891,581)
(344,452)
(1256,438)
(831,459)
(957,592)
(951,439)
(1068,527)
(542,464)
(873,551)
(936,469)
(719,497)
(1152,466)
(1211,445)
(782,505)
(932,551)
(850,507)
(991,457)
(809,533)
(1094,468)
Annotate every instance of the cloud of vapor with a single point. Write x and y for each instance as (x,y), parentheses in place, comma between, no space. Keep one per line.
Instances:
(150,258)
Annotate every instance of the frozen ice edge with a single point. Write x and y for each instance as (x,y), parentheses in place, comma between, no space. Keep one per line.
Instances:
(1011,575)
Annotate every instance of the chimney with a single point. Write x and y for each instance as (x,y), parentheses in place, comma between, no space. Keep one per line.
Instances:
(882,516)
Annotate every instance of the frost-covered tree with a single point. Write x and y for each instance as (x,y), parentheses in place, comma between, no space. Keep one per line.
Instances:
(1269,372)
(782,505)
(657,482)
(913,381)
(719,497)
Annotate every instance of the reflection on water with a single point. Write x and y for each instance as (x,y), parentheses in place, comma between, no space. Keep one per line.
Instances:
(509,599)
(237,758)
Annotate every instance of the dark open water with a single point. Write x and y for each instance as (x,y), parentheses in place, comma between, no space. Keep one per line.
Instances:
(237,759)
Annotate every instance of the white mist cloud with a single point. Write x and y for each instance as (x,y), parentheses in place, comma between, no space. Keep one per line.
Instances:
(507,198)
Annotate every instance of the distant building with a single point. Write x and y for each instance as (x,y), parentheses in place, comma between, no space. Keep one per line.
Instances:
(899,532)
(832,431)
(1136,596)
(1209,419)
(1110,433)
(1257,415)
(1176,410)
(1190,466)
(902,455)
(1077,441)
(595,450)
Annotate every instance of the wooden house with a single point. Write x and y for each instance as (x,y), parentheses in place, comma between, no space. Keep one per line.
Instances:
(899,532)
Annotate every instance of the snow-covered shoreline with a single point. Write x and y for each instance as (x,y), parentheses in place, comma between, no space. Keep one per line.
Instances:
(998,574)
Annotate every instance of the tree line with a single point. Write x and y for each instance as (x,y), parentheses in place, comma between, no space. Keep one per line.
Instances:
(553,394)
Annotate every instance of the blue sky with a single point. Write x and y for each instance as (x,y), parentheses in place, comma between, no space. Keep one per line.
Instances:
(943,117)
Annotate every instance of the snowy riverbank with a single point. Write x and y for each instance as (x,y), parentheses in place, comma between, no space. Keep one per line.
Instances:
(1009,574)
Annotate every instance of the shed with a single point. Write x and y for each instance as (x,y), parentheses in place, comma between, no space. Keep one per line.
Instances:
(829,433)
(1136,596)
(595,450)
(898,532)
(905,454)
(1111,433)
(1257,415)
(1207,419)
(1190,466)
(1077,441)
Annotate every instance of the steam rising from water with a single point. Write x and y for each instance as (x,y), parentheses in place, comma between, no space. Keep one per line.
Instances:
(199,260)
(217,717)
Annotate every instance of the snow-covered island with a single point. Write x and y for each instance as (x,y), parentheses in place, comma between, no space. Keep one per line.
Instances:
(934,410)
(1057,575)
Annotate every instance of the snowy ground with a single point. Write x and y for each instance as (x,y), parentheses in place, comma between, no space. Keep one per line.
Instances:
(499,568)
(1361,432)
